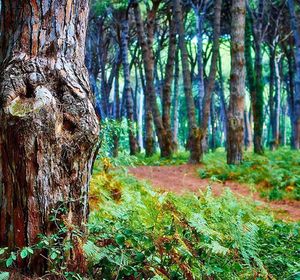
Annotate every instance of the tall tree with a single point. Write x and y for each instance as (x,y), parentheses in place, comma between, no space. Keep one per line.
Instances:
(257,28)
(235,134)
(146,43)
(48,124)
(128,95)
(200,8)
(213,68)
(194,139)
(296,101)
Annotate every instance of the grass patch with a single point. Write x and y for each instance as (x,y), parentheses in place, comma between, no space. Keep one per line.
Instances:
(276,174)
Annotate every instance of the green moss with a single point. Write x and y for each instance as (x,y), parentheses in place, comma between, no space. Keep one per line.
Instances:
(20,108)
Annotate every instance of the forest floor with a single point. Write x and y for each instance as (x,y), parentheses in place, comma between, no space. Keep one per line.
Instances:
(184,178)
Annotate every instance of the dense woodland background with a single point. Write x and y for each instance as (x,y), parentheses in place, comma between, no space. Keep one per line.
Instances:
(142,71)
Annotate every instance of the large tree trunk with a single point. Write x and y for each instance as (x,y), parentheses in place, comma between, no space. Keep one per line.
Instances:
(48,123)
(133,145)
(194,139)
(296,105)
(237,85)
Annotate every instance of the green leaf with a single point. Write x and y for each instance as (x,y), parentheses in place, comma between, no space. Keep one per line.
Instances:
(13,256)
(4,275)
(30,250)
(3,250)
(140,257)
(9,262)
(53,255)
(120,239)
(24,253)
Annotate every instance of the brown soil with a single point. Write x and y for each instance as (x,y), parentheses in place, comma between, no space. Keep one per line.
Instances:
(184,178)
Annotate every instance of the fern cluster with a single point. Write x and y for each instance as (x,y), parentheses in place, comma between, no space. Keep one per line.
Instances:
(143,234)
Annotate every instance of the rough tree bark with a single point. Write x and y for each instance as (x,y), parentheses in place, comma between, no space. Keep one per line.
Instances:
(48,124)
(235,136)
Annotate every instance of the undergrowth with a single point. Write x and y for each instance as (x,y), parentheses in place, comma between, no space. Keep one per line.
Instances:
(137,233)
(276,174)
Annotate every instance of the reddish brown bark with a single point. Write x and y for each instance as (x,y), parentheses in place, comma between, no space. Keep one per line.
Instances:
(48,124)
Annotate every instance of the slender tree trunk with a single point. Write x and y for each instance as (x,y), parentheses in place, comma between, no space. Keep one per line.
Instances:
(127,87)
(213,123)
(277,105)
(194,141)
(235,137)
(213,68)
(201,85)
(176,103)
(140,119)
(296,105)
(290,89)
(248,131)
(139,109)
(271,97)
(222,98)
(149,139)
(116,113)
(146,44)
(258,101)
(283,126)
(169,74)
(48,124)
(92,51)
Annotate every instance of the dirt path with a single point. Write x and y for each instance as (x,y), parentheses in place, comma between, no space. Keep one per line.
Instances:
(184,178)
